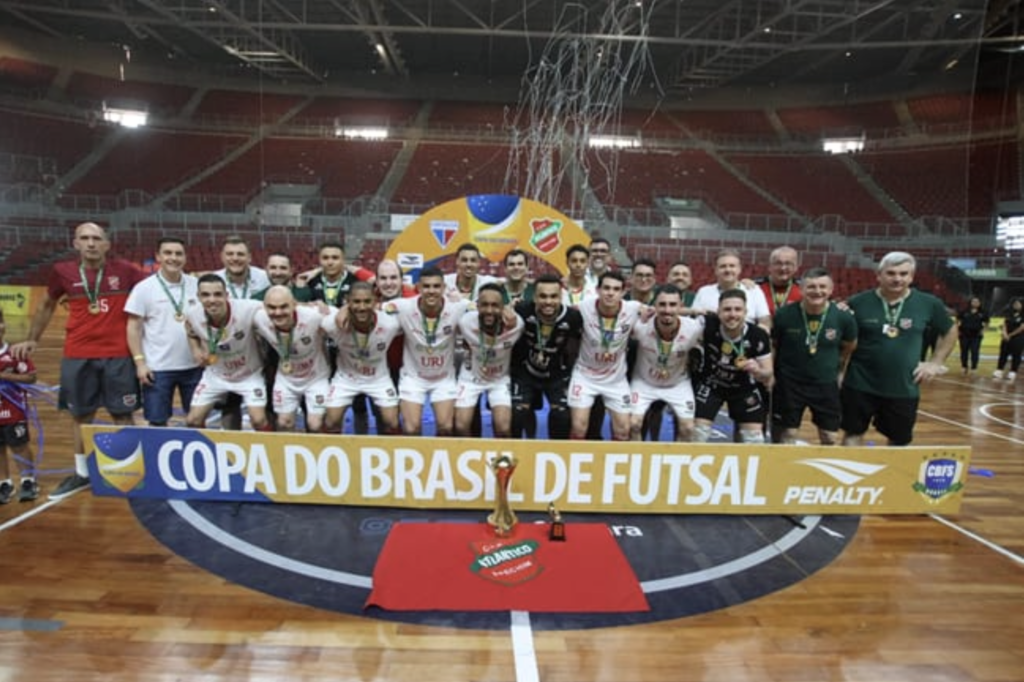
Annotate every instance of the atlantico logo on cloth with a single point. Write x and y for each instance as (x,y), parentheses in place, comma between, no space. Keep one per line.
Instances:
(455,473)
(508,562)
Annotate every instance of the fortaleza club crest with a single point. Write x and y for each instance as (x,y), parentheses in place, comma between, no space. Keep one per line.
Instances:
(546,235)
(507,561)
(939,476)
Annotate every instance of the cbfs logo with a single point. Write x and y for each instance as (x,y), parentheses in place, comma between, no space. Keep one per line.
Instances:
(939,477)
(119,460)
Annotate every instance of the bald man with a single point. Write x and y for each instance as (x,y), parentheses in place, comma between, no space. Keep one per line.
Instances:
(97,368)
(297,334)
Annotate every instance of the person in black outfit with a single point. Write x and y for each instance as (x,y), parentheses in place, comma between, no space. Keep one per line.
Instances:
(971,323)
(543,357)
(1012,340)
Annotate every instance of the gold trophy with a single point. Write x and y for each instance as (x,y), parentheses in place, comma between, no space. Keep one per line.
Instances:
(503,520)
(557,531)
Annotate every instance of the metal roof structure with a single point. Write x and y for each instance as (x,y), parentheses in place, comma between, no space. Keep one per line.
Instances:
(677,46)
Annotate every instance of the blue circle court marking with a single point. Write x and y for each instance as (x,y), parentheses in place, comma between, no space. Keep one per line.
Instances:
(324,556)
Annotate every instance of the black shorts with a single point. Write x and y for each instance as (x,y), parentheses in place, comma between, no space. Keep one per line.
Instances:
(791,398)
(894,417)
(529,394)
(87,385)
(746,405)
(14,435)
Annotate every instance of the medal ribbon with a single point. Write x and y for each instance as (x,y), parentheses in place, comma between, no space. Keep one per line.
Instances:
(811,338)
(93,295)
(245,289)
(487,348)
(664,347)
(365,344)
(430,329)
(733,347)
(179,306)
(212,341)
(892,316)
(285,341)
(607,327)
(781,301)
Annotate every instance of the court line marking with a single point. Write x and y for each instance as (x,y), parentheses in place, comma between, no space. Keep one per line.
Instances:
(971,428)
(984,411)
(977,538)
(215,533)
(974,536)
(11,523)
(523,652)
(766,553)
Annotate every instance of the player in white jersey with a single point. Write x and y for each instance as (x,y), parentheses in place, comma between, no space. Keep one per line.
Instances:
(662,358)
(489,339)
(222,338)
(428,353)
(297,334)
(362,338)
(467,281)
(601,366)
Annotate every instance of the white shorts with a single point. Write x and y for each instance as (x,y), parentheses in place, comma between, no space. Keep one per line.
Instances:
(345,388)
(499,393)
(414,390)
(288,395)
(678,397)
(212,389)
(583,390)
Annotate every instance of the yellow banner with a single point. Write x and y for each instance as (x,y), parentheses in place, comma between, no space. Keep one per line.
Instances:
(577,476)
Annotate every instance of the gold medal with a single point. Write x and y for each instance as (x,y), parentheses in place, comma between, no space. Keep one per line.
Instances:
(211,359)
(726,348)
(891,331)
(741,361)
(812,349)
(285,367)
(179,317)
(94,308)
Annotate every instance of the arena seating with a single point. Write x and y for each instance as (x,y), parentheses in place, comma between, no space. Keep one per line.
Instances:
(850,118)
(24,76)
(65,141)
(813,185)
(980,111)
(264,107)
(750,123)
(440,172)
(154,161)
(365,112)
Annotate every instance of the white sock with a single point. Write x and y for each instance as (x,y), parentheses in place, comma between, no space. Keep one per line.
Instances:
(7,480)
(82,465)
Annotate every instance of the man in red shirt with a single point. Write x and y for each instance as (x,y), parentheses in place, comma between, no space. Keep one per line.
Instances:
(781,286)
(97,369)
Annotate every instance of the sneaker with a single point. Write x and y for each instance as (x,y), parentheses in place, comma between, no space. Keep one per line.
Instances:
(29,490)
(998,374)
(6,490)
(1011,376)
(69,486)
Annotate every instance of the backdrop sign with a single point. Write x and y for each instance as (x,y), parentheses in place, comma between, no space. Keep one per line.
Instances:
(577,476)
(496,223)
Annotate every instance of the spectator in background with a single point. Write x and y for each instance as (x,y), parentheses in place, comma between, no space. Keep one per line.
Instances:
(727,278)
(244,280)
(971,323)
(1012,342)
(680,276)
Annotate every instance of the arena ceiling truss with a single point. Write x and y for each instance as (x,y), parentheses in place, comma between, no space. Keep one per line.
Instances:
(692,44)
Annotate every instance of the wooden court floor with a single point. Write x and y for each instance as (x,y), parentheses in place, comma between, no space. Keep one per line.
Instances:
(912,599)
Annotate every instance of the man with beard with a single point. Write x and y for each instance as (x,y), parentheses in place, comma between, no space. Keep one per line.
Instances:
(363,339)
(544,357)
(489,342)
(737,357)
(662,358)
